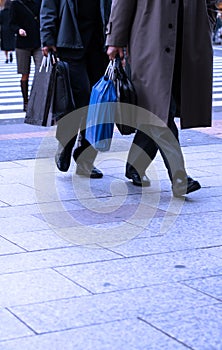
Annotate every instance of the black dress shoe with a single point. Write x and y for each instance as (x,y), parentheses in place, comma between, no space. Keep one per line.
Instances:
(192,185)
(182,187)
(88,171)
(138,180)
(63,158)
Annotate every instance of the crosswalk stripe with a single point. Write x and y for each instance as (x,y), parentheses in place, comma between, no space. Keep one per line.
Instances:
(217,83)
(8,94)
(11,102)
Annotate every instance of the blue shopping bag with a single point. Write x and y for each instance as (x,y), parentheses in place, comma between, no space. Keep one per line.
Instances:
(101,114)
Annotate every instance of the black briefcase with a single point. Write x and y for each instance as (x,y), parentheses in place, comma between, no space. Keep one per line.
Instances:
(63,101)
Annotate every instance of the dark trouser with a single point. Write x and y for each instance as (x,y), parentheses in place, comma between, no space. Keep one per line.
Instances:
(86,68)
(146,144)
(170,151)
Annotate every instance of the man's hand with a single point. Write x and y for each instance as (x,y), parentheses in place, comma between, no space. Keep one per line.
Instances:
(22,32)
(46,49)
(112,51)
(219,5)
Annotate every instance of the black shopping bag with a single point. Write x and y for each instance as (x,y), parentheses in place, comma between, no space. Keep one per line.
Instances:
(125,117)
(41,95)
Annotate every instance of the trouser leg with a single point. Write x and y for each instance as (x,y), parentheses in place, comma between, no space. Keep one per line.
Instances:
(144,147)
(170,150)
(85,71)
(173,128)
(146,144)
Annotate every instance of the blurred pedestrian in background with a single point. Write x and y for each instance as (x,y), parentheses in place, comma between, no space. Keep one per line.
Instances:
(217,30)
(24,16)
(170,48)
(7,35)
(2,3)
(76,30)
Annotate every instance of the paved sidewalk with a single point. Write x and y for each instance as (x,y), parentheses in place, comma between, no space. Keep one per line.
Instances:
(103,265)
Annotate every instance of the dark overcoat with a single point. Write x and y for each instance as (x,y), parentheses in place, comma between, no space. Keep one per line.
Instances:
(7,35)
(59,24)
(149,27)
(25,15)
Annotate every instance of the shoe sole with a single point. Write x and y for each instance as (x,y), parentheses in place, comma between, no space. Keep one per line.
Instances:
(92,176)
(195,187)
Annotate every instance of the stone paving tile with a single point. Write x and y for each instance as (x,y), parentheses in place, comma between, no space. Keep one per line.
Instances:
(22,175)
(106,203)
(194,203)
(10,165)
(11,327)
(50,188)
(21,223)
(44,164)
(212,181)
(168,242)
(36,286)
(34,240)
(207,162)
(52,258)
(214,170)
(106,307)
(187,224)
(143,271)
(216,251)
(87,217)
(17,194)
(212,286)
(205,151)
(7,247)
(107,234)
(201,172)
(2,204)
(38,208)
(209,156)
(127,334)
(19,210)
(200,327)
(82,188)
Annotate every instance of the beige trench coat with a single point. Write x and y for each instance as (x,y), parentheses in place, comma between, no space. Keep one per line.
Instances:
(149,28)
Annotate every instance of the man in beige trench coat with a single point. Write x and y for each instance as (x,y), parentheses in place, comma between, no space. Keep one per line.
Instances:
(170,50)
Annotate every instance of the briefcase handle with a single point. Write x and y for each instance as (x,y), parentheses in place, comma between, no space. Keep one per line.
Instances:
(48,60)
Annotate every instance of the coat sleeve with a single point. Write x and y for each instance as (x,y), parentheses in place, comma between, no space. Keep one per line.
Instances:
(212,12)
(120,22)
(13,18)
(48,22)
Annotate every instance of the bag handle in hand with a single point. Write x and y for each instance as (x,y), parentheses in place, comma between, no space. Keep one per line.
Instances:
(48,60)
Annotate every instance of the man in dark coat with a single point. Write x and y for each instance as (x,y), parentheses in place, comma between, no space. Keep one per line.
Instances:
(170,51)
(76,30)
(7,35)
